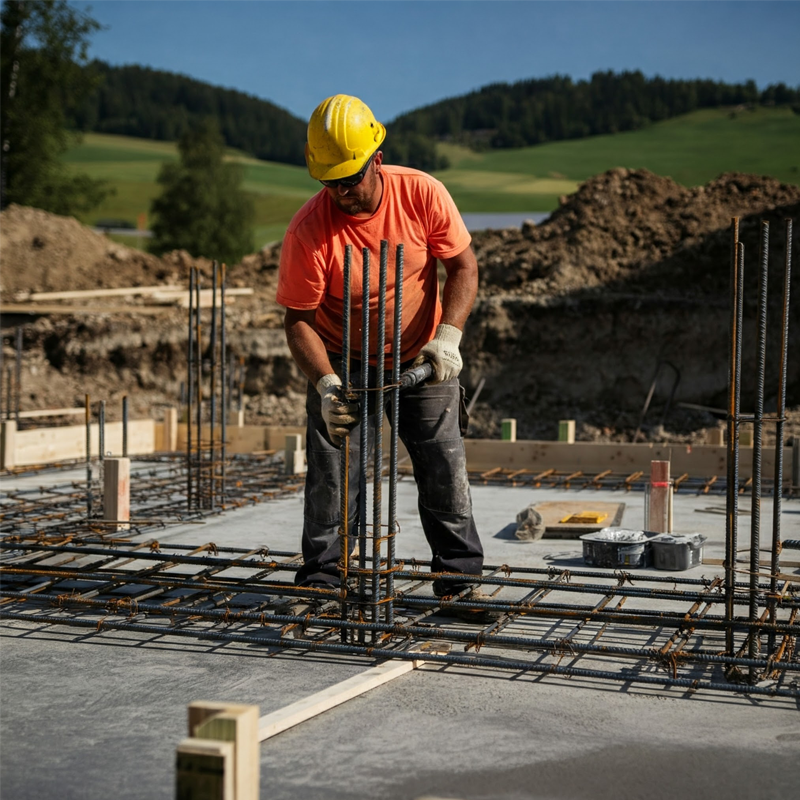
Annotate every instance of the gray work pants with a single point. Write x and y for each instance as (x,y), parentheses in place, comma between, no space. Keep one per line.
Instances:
(432,421)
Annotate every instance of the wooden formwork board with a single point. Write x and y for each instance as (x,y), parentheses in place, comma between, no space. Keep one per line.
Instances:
(43,445)
(701,461)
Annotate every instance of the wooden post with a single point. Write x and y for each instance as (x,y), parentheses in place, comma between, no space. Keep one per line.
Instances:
(171,429)
(237,724)
(566,431)
(236,418)
(8,444)
(508,430)
(715,436)
(117,492)
(204,769)
(659,497)
(295,456)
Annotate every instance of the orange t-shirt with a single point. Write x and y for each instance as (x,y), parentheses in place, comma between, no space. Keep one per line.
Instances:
(417,211)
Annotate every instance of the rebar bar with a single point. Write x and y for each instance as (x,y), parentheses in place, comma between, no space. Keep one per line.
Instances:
(212,409)
(125,426)
(101,433)
(18,380)
(363,465)
(223,358)
(344,452)
(88,418)
(190,379)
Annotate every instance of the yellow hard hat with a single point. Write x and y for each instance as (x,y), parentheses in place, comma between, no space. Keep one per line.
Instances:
(342,134)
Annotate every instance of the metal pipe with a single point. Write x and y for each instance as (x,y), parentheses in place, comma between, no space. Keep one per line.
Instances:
(758,434)
(190,365)
(212,453)
(223,359)
(364,443)
(18,382)
(377,469)
(397,337)
(344,452)
(125,426)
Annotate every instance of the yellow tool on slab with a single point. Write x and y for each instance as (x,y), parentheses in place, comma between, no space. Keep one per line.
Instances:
(585,518)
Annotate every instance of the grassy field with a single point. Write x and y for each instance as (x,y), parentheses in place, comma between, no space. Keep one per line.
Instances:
(692,149)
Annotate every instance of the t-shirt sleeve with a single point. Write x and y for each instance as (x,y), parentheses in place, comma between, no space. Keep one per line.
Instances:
(448,235)
(301,276)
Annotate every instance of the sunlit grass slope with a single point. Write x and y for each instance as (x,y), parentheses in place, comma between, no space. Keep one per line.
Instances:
(692,149)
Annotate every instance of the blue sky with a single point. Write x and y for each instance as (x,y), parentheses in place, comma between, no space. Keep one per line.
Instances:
(398,55)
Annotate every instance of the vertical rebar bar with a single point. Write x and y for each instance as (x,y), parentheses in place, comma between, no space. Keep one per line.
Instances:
(732,486)
(125,426)
(240,404)
(101,434)
(88,412)
(9,390)
(344,453)
(758,438)
(777,490)
(18,380)
(190,381)
(377,473)
(397,328)
(212,453)
(364,443)
(198,341)
(231,382)
(223,360)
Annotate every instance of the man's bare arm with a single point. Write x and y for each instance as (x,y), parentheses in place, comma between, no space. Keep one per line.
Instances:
(305,344)
(460,288)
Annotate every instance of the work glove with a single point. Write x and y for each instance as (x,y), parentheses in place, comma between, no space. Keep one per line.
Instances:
(339,414)
(442,352)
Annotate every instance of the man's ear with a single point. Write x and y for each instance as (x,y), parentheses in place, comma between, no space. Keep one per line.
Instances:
(378,160)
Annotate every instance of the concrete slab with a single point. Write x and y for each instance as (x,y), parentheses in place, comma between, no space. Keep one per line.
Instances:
(88,715)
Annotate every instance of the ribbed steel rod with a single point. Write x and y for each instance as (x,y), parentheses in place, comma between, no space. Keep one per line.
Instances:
(18,381)
(199,490)
(223,360)
(344,452)
(377,471)
(397,337)
(190,381)
(212,452)
(754,644)
(88,417)
(624,676)
(364,443)
(777,490)
(101,433)
(125,426)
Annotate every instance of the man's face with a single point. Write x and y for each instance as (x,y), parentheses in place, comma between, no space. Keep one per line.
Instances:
(363,198)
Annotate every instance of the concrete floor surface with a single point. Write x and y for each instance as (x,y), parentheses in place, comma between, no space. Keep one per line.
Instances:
(87,715)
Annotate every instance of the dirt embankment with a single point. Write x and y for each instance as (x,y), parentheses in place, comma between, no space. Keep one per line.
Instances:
(572,318)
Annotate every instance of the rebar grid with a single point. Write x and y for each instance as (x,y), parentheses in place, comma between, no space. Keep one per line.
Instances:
(721,633)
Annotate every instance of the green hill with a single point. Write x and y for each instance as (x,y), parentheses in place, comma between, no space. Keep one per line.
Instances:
(691,149)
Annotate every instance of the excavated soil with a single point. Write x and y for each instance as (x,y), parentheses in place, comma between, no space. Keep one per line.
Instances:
(627,279)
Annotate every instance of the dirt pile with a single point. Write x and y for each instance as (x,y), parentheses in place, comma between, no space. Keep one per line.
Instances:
(573,319)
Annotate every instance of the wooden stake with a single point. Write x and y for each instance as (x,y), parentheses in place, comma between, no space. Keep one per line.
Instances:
(8,444)
(171,430)
(295,456)
(659,497)
(117,491)
(566,431)
(509,430)
(204,769)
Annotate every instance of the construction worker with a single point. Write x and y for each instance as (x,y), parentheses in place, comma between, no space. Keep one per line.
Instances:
(363,201)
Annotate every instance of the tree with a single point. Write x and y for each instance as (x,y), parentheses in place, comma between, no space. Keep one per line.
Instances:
(43,52)
(202,207)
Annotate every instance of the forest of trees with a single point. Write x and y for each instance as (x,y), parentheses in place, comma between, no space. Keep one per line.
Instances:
(151,104)
(549,109)
(138,101)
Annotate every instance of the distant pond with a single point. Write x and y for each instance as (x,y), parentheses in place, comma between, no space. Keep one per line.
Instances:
(506,219)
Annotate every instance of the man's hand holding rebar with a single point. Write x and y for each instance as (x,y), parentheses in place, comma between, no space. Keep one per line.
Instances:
(339,414)
(442,351)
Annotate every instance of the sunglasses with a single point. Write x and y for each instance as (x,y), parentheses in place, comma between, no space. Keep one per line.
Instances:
(350,180)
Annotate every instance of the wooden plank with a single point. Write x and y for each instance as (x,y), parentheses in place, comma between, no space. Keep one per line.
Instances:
(234,723)
(285,718)
(43,308)
(45,445)
(170,441)
(52,412)
(553,511)
(204,770)
(79,294)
